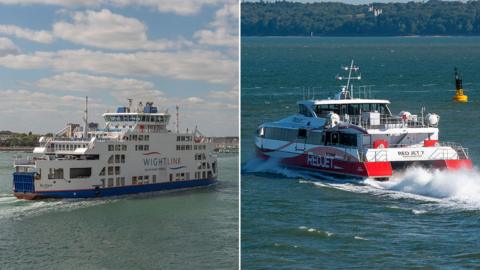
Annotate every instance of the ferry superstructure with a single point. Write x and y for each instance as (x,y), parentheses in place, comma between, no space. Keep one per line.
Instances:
(357,136)
(134,153)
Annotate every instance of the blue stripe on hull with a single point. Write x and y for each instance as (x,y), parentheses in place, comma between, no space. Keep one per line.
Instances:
(116,191)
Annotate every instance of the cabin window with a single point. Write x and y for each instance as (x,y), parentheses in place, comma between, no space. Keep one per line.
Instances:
(117,182)
(117,170)
(122,158)
(80,172)
(145,179)
(140,137)
(146,137)
(348,139)
(55,173)
(110,160)
(315,138)
(302,109)
(117,158)
(146,147)
(110,182)
(134,180)
(140,180)
(102,172)
(302,133)
(110,170)
(124,147)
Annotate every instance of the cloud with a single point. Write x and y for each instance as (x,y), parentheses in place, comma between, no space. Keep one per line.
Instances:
(25,33)
(223,29)
(7,47)
(183,7)
(232,94)
(43,112)
(204,65)
(121,89)
(104,29)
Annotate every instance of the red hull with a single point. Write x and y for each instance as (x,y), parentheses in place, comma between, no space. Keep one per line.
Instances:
(379,170)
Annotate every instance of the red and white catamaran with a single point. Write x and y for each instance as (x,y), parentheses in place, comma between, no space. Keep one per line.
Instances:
(357,137)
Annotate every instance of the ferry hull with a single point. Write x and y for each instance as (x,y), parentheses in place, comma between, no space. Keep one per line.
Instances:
(113,191)
(380,170)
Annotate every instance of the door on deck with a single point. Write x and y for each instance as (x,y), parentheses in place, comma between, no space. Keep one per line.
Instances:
(301,139)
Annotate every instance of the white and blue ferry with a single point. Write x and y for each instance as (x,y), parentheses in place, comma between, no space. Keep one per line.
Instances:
(134,153)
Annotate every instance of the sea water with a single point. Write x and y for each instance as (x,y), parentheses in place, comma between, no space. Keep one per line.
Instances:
(193,229)
(420,218)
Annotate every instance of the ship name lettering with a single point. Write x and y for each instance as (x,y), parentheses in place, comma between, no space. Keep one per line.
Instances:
(320,161)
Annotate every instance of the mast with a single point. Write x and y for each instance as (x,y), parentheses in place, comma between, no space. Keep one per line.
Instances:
(85,118)
(347,90)
(178,119)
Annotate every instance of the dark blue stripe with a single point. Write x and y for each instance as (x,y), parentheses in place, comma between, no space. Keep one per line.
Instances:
(116,191)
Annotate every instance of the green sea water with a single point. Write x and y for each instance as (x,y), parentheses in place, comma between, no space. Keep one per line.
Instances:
(420,219)
(194,229)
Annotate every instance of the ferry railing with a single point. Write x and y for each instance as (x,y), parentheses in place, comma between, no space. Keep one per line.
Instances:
(385,121)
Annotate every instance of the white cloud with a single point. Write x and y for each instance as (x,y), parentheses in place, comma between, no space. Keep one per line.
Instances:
(42,112)
(7,47)
(183,7)
(232,94)
(223,29)
(104,29)
(210,66)
(25,33)
(121,89)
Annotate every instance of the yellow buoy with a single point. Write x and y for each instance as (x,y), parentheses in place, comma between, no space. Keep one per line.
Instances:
(459,96)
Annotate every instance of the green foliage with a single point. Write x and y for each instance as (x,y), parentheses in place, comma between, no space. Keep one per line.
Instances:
(282,18)
(20,139)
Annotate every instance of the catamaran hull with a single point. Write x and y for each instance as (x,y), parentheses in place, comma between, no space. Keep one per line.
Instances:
(381,170)
(108,192)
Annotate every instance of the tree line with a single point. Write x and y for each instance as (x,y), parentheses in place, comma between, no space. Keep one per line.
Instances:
(283,18)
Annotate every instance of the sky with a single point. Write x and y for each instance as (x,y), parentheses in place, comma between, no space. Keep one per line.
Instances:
(53,53)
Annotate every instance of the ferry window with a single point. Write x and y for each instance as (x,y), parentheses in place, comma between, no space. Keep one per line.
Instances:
(102,172)
(302,133)
(178,147)
(182,138)
(315,138)
(145,179)
(194,147)
(146,147)
(140,148)
(118,148)
(178,138)
(182,147)
(117,170)
(348,139)
(55,173)
(143,118)
(110,182)
(140,137)
(335,138)
(122,118)
(117,158)
(134,137)
(122,159)
(152,118)
(124,147)
(203,175)
(154,178)
(130,118)
(117,182)
(147,137)
(140,180)
(122,181)
(353,109)
(134,180)
(171,177)
(80,172)
(343,109)
(304,110)
(110,159)
(384,109)
(110,170)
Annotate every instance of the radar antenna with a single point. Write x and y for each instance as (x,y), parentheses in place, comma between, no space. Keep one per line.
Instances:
(347,90)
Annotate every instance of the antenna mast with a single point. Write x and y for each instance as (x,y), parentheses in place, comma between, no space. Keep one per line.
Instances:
(85,118)
(178,124)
